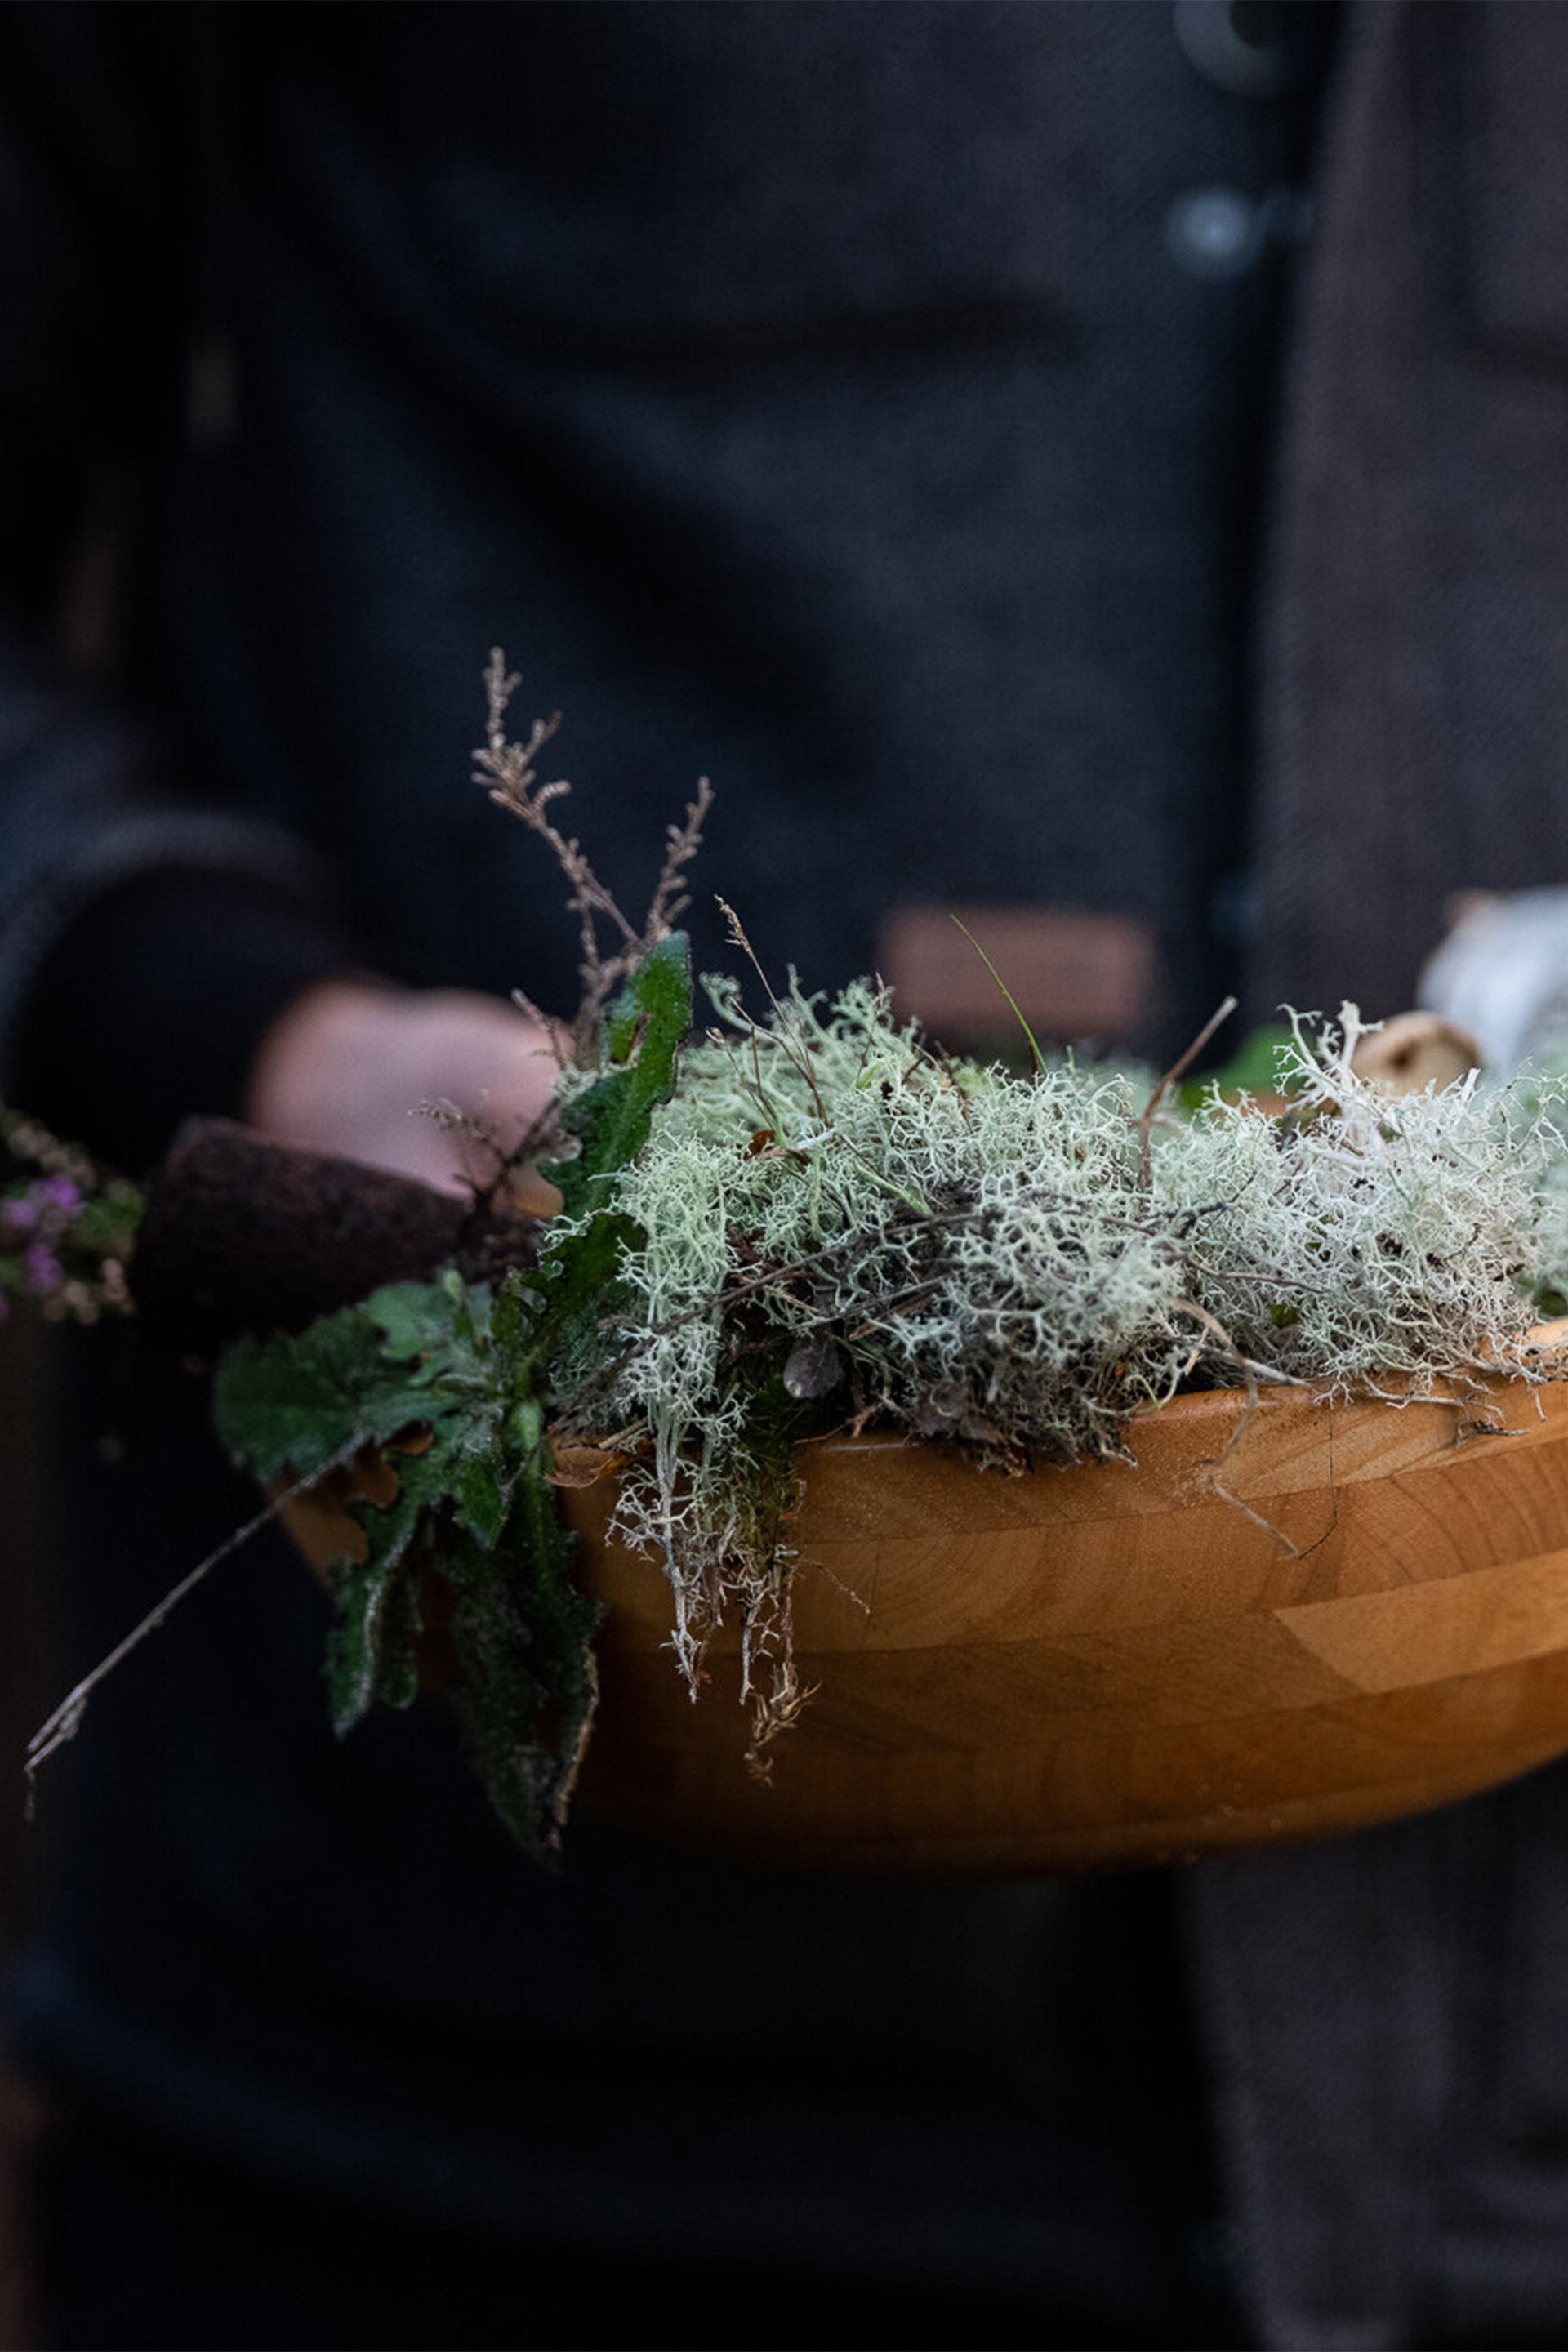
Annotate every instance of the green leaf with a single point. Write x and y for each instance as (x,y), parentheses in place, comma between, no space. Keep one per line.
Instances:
(295,1402)
(370,1649)
(417,1318)
(288,1402)
(472,1370)
(412,1353)
(1255,1068)
(643,1032)
(529,1686)
(478,1490)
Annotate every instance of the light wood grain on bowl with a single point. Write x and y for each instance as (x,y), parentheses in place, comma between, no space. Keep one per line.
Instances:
(1112,1664)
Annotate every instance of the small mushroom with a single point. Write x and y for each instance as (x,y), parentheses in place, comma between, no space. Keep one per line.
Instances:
(1414,1051)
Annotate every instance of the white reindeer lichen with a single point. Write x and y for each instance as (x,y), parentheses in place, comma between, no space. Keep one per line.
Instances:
(834,1222)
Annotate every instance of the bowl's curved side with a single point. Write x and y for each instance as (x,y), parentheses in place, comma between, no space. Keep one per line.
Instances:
(1285,1621)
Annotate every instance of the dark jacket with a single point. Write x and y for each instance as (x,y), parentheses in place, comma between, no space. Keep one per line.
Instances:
(762,378)
(1390,2013)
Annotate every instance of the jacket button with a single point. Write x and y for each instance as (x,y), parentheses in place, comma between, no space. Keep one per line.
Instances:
(1214,233)
(1236,45)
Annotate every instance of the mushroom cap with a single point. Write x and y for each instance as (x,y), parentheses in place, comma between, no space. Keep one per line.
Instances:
(1417,1050)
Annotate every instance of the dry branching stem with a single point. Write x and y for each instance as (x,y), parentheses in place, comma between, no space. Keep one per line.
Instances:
(782,1035)
(507,771)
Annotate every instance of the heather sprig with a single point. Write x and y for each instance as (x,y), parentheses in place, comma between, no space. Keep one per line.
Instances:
(66,1233)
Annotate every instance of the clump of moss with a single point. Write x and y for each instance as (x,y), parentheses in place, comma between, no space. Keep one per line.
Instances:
(835,1225)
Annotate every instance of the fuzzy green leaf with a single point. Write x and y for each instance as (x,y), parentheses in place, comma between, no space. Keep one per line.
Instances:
(644,1031)
(523,1633)
(412,1353)
(370,1651)
(295,1401)
(474,1502)
(417,1318)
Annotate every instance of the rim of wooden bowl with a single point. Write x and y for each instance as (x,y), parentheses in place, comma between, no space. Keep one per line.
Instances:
(1543,1340)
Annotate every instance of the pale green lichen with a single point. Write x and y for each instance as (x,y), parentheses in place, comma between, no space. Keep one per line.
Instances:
(833,1225)
(1371,1242)
(1535,1099)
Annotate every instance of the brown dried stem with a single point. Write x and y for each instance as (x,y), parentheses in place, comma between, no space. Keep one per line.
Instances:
(507,771)
(796,1053)
(1178,1069)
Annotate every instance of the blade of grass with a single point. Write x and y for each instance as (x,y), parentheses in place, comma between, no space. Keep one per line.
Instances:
(1017,1012)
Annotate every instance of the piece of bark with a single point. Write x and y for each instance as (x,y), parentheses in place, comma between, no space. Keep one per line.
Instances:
(242,1235)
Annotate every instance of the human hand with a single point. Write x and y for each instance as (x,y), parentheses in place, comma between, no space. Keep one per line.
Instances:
(346,1067)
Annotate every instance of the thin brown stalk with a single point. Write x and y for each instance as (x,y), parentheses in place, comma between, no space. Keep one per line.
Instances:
(66,1721)
(1177,1070)
(796,1052)
(682,844)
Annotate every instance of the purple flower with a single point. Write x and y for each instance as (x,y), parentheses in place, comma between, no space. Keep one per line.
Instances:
(60,1193)
(45,1272)
(20,1215)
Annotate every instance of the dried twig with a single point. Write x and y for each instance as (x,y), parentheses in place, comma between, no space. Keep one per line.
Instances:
(1176,1070)
(508,773)
(682,843)
(1254,1373)
(66,1721)
(795,1052)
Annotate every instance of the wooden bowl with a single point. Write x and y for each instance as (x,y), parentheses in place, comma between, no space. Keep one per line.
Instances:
(1277,1626)
(1109,1665)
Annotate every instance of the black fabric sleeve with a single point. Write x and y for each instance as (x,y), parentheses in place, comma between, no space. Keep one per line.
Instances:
(116,988)
(154,1001)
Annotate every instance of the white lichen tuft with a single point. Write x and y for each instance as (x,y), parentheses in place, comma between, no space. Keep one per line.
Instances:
(837,1226)
(1536,1102)
(1367,1240)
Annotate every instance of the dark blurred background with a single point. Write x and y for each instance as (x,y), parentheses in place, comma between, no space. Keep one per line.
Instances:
(28,1366)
